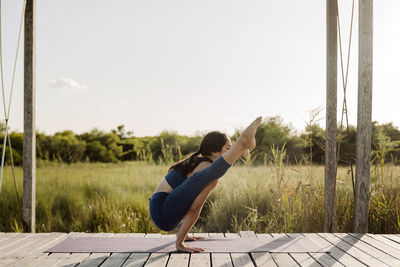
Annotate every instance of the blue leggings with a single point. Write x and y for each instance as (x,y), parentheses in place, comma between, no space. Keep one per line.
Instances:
(168,210)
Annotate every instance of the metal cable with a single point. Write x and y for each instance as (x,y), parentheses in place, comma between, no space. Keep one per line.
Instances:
(7,112)
(344,81)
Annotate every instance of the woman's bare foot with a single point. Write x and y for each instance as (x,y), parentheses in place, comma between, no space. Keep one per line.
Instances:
(247,138)
(246,141)
(245,153)
(183,248)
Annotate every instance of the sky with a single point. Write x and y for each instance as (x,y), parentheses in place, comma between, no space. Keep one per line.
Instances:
(191,66)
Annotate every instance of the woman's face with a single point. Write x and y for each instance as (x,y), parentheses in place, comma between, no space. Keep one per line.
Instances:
(225,148)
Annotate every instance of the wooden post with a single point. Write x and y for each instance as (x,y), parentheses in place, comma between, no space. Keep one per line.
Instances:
(331,116)
(364,125)
(29,146)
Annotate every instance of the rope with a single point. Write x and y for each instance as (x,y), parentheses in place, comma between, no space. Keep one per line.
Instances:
(7,112)
(344,81)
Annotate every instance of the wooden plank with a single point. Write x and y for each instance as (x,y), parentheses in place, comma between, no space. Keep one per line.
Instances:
(20,243)
(49,260)
(323,259)
(232,235)
(8,236)
(380,255)
(11,239)
(34,251)
(215,235)
(386,241)
(136,234)
(200,259)
(284,259)
(103,234)
(247,234)
(136,260)
(259,258)
(121,234)
(304,259)
(357,253)
(374,247)
(152,235)
(156,259)
(168,236)
(294,234)
(392,237)
(39,245)
(278,235)
(263,235)
(263,259)
(345,249)
(220,259)
(63,259)
(239,259)
(364,113)
(395,252)
(129,234)
(178,259)
(336,253)
(139,259)
(115,260)
(94,259)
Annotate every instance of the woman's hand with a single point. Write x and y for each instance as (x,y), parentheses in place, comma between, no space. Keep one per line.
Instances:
(194,238)
(182,248)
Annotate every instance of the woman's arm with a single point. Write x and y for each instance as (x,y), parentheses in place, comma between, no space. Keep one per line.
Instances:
(193,214)
(188,221)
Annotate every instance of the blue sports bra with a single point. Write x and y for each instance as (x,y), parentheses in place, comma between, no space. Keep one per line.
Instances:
(175,178)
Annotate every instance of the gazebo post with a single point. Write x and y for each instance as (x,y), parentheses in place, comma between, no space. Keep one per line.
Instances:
(29,145)
(364,125)
(331,116)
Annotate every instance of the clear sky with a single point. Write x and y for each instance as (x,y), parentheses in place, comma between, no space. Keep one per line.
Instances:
(189,65)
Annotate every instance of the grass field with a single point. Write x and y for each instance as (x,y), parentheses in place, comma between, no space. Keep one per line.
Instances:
(114,198)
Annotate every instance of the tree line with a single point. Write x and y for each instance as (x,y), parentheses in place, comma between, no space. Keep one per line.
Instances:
(276,140)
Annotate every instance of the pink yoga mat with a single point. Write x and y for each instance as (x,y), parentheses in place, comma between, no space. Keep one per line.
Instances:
(167,245)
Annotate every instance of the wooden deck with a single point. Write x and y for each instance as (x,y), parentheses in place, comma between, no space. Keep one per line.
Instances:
(24,249)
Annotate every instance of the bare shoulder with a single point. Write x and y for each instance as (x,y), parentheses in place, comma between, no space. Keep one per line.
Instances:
(202,165)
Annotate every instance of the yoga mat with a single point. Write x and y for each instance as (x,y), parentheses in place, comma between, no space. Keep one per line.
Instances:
(135,244)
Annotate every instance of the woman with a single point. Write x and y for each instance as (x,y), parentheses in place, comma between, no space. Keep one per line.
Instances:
(180,196)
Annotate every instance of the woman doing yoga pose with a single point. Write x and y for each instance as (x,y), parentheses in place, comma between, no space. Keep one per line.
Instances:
(180,196)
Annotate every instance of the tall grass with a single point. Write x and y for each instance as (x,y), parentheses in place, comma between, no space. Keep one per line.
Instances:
(86,197)
(271,198)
